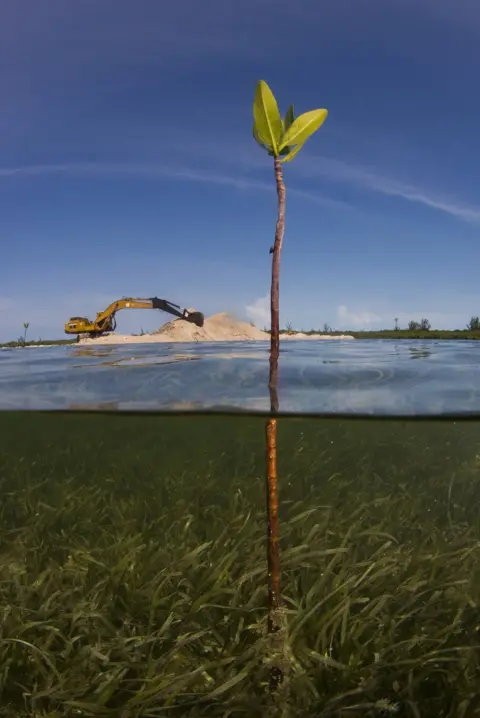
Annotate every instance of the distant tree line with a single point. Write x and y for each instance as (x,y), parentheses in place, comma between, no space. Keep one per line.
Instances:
(474,324)
(423,325)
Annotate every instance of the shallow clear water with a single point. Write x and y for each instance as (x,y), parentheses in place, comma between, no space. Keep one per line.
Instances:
(133,571)
(361,376)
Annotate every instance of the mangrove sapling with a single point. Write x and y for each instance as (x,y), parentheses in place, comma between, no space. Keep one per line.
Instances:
(282,139)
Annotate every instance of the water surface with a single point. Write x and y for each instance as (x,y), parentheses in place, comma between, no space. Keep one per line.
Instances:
(362,376)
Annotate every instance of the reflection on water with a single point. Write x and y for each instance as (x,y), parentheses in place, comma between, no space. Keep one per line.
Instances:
(327,377)
(140,361)
(420,352)
(89,351)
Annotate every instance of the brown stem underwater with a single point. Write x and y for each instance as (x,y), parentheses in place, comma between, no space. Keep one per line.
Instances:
(272,518)
(273,557)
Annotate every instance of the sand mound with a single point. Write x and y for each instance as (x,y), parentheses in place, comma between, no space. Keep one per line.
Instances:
(217,328)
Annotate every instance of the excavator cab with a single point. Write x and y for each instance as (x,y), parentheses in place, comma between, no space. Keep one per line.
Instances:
(75,324)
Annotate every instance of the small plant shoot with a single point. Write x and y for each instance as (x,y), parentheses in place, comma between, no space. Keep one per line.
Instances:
(282,139)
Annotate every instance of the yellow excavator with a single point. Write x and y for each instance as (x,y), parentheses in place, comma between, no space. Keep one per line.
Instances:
(105,321)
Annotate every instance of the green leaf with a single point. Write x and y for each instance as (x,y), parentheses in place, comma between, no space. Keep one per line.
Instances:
(289,118)
(268,123)
(285,151)
(303,127)
(294,151)
(258,140)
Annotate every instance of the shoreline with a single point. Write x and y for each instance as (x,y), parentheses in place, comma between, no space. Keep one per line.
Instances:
(122,339)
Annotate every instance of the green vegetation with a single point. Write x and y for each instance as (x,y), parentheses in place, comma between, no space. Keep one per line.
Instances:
(133,571)
(416,330)
(423,325)
(282,138)
(40,343)
(392,333)
(22,341)
(417,334)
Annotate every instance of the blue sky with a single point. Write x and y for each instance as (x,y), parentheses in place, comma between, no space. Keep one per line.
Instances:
(127,165)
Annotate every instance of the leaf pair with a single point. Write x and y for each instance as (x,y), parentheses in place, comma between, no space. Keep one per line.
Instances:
(282,138)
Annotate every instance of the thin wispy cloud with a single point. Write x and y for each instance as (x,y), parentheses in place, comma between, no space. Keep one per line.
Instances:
(368,316)
(147,171)
(356,318)
(366,178)
(332,169)
(338,171)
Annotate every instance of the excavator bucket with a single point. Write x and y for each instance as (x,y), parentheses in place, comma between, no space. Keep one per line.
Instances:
(196,318)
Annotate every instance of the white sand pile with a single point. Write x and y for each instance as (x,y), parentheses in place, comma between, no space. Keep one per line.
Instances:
(217,328)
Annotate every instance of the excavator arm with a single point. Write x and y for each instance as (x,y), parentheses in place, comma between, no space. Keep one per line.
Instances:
(105,321)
